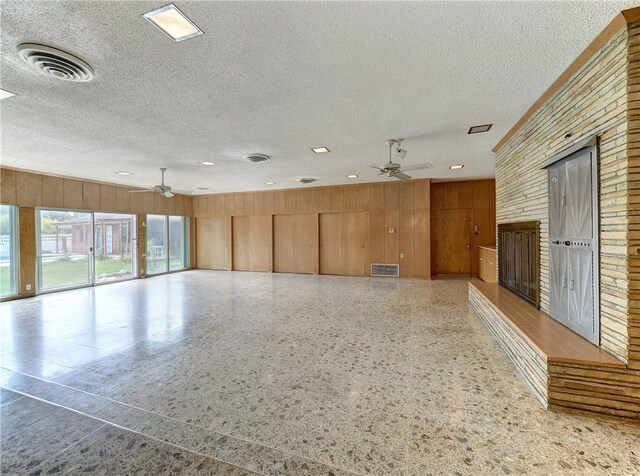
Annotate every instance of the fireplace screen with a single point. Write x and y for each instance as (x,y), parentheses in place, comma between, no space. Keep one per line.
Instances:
(519,259)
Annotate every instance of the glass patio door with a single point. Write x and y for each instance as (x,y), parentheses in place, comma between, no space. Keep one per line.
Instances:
(65,249)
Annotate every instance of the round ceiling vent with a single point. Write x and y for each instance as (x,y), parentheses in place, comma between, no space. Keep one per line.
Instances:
(55,63)
(307,180)
(257,158)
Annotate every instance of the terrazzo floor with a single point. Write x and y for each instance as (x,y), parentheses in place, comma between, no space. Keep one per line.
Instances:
(207,372)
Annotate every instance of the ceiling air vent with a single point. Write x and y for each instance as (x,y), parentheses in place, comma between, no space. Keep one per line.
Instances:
(55,63)
(307,180)
(390,270)
(257,158)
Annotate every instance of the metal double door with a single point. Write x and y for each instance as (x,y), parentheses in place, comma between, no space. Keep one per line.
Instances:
(573,253)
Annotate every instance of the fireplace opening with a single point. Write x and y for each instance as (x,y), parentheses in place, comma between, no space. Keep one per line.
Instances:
(519,259)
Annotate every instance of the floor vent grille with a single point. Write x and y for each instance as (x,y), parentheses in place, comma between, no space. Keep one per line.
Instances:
(390,270)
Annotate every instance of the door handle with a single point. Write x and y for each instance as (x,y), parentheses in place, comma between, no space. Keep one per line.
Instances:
(468,246)
(557,242)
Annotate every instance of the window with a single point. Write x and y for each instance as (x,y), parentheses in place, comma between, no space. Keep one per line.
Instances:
(177,243)
(166,243)
(8,250)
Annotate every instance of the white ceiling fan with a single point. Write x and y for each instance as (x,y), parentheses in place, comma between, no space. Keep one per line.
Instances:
(395,170)
(165,190)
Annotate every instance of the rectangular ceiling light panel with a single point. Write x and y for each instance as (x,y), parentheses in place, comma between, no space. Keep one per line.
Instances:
(479,129)
(320,150)
(175,24)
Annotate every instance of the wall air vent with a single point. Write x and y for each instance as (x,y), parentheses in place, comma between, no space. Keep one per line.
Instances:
(55,63)
(257,158)
(306,180)
(388,270)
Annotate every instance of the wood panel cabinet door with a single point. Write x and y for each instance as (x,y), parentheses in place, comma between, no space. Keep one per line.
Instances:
(295,243)
(252,243)
(453,241)
(344,243)
(213,242)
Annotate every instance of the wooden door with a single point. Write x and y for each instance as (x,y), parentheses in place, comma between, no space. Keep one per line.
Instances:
(453,241)
(252,243)
(344,243)
(213,243)
(295,240)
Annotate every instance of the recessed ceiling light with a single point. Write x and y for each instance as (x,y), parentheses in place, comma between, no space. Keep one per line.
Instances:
(478,129)
(352,176)
(455,167)
(207,162)
(171,21)
(269,183)
(6,94)
(320,150)
(203,188)
(122,172)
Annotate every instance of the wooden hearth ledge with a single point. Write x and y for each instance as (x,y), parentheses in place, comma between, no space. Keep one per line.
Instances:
(561,368)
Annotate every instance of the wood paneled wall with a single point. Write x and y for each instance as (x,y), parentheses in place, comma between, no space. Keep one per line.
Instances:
(478,197)
(402,206)
(30,190)
(27,189)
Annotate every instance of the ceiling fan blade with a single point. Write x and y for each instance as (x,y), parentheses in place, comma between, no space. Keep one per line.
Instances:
(183,192)
(142,190)
(167,194)
(417,167)
(401,176)
(376,167)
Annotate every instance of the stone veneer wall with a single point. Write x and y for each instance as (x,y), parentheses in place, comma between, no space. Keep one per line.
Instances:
(593,101)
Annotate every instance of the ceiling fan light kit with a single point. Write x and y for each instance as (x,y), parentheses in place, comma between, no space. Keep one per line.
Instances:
(395,170)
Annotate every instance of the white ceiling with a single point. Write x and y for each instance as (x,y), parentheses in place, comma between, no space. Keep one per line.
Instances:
(278,79)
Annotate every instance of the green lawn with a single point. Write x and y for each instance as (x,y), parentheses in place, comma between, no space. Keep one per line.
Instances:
(4,280)
(60,273)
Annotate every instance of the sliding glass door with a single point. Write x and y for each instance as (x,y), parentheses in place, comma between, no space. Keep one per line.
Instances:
(114,247)
(8,250)
(77,248)
(166,243)
(65,248)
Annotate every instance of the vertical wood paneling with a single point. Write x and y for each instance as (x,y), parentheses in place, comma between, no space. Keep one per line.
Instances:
(213,243)
(52,192)
(324,200)
(238,204)
(422,250)
(301,201)
(344,243)
(179,206)
(91,196)
(422,194)
(377,233)
(159,203)
(220,205)
(269,203)
(406,226)
(350,199)
(28,189)
(406,196)
(248,204)
(258,203)
(312,200)
(170,205)
(391,196)
(72,194)
(363,198)
(8,186)
(391,240)
(148,201)
(27,256)
(279,207)
(122,200)
(290,202)
(107,198)
(337,199)
(376,195)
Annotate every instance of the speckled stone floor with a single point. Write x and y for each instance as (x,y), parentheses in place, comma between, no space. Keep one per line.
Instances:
(209,372)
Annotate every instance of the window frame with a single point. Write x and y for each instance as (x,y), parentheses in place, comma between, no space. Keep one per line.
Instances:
(14,252)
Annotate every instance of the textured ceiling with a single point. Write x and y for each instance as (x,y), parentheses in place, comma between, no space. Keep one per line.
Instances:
(278,79)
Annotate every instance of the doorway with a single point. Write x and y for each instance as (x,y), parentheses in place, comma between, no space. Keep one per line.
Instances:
(78,248)
(453,241)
